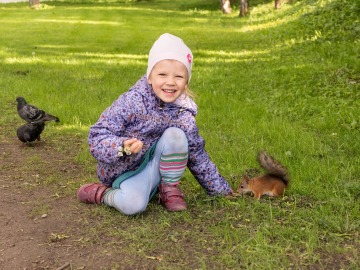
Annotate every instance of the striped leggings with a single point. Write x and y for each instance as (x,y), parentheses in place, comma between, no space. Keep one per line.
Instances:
(167,166)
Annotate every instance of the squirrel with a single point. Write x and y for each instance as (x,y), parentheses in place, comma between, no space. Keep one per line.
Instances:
(273,183)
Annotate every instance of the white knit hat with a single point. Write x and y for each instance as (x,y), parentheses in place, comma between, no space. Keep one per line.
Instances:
(169,47)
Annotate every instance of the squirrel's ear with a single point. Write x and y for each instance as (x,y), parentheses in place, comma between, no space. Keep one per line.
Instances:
(246,178)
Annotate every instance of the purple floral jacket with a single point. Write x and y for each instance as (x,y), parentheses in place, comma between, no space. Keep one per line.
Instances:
(141,114)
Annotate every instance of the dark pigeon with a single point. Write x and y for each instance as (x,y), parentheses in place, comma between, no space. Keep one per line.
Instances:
(31,114)
(30,132)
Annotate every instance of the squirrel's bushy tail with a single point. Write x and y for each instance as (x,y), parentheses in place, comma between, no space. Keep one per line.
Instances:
(273,166)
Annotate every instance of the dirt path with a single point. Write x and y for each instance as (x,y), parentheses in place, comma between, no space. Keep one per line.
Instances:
(43,226)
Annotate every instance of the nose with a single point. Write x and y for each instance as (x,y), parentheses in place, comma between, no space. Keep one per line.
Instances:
(170,80)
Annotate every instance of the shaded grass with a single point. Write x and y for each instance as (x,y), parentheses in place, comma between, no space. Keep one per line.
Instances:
(284,81)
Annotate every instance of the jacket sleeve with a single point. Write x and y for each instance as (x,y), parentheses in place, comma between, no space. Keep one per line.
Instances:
(107,134)
(201,166)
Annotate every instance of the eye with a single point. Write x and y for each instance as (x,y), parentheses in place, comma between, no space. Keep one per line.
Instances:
(241,186)
(179,76)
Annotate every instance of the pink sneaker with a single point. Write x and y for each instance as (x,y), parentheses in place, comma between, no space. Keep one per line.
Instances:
(92,193)
(171,197)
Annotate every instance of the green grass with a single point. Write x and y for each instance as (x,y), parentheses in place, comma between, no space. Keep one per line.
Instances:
(286,81)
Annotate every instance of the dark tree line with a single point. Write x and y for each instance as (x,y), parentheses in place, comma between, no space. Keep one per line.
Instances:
(244,6)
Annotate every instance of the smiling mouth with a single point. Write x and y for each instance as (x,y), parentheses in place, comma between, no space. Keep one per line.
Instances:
(169,91)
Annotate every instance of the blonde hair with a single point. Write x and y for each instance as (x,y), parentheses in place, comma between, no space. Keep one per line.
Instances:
(189,93)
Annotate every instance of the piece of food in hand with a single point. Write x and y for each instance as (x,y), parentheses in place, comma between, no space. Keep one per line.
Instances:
(122,150)
(127,150)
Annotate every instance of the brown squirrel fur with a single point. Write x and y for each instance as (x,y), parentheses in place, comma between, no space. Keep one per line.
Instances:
(273,183)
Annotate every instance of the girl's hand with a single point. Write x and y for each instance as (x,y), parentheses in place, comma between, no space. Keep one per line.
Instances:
(134,145)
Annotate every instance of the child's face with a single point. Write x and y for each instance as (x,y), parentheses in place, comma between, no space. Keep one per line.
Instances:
(169,79)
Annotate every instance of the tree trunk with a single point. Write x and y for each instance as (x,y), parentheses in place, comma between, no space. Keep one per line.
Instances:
(225,6)
(277,4)
(244,6)
(34,3)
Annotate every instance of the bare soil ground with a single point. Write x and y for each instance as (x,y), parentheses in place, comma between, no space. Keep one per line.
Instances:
(43,225)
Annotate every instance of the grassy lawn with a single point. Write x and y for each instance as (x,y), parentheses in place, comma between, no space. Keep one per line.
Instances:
(287,81)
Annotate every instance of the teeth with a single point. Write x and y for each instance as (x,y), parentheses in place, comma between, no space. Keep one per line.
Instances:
(169,91)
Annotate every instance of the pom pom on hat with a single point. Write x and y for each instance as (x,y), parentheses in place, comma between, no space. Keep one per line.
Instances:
(172,48)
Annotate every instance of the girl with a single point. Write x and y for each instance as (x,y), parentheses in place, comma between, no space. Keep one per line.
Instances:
(146,138)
